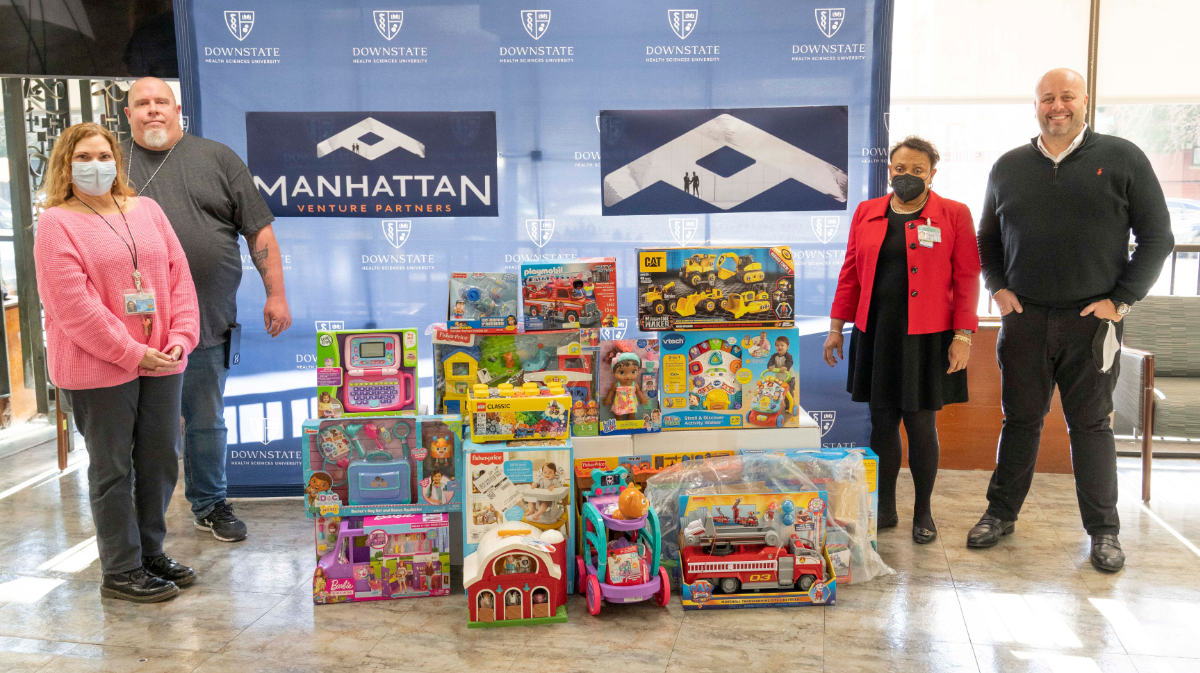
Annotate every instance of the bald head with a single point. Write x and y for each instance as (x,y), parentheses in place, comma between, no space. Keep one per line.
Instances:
(1060,104)
(153,114)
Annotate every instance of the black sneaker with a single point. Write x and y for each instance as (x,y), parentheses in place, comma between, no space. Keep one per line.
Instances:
(138,586)
(224,525)
(165,567)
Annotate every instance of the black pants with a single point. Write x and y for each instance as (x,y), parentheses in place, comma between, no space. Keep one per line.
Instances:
(921,426)
(1038,349)
(131,432)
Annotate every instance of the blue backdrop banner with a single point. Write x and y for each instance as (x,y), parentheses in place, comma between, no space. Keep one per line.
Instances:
(505,114)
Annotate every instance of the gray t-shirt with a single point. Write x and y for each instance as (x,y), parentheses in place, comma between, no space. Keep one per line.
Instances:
(208,195)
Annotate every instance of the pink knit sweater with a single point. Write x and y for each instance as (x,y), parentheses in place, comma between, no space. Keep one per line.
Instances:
(83,272)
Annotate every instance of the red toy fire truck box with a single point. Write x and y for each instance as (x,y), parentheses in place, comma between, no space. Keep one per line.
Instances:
(569,294)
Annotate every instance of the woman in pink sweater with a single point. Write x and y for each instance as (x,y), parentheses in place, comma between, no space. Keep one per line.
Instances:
(121,317)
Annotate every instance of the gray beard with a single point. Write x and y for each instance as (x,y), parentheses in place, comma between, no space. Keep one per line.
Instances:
(156,138)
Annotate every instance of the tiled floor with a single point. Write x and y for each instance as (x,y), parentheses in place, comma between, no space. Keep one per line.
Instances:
(1031,604)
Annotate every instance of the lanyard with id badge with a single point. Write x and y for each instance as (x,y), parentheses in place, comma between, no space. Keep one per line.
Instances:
(927,234)
(137,301)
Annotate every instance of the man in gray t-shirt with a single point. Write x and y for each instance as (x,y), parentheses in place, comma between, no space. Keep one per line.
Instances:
(209,197)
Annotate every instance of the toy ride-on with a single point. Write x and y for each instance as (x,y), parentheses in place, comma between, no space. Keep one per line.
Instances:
(621,544)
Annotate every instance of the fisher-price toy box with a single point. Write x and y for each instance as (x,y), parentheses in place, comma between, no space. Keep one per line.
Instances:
(367,372)
(729,379)
(383,465)
(526,481)
(371,558)
(463,359)
(701,288)
(627,383)
(485,302)
(573,293)
(757,550)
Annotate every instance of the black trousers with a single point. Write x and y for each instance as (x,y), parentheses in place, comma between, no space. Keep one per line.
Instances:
(1038,349)
(131,432)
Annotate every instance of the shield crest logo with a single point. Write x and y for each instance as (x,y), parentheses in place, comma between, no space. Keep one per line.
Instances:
(539,231)
(829,20)
(683,21)
(825,227)
(239,23)
(466,128)
(615,333)
(388,23)
(683,229)
(396,231)
(824,419)
(320,129)
(183,122)
(887,122)
(611,129)
(536,21)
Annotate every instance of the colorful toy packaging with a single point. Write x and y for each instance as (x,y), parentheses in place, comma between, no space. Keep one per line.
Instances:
(529,412)
(575,293)
(369,558)
(366,373)
(519,481)
(755,550)
(627,379)
(463,359)
(729,379)
(483,301)
(690,288)
(383,465)
(517,575)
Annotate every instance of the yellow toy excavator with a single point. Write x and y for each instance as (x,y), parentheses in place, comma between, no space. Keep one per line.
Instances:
(730,264)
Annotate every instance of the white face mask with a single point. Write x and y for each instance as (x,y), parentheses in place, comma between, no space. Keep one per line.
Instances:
(93,178)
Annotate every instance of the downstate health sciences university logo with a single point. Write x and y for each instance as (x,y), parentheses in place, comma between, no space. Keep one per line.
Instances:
(239,23)
(825,227)
(615,333)
(824,419)
(535,21)
(683,229)
(683,21)
(539,231)
(396,231)
(391,139)
(388,23)
(829,20)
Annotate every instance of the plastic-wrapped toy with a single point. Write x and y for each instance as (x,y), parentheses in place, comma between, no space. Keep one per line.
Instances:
(621,544)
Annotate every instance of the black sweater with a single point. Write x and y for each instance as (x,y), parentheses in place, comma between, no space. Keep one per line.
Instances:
(1058,234)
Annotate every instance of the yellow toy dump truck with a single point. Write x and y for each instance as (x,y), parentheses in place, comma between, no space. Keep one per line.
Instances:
(699,268)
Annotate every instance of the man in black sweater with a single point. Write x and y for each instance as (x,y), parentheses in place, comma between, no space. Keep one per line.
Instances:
(1054,245)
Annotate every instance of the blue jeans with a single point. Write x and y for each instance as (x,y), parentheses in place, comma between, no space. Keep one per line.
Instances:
(204,430)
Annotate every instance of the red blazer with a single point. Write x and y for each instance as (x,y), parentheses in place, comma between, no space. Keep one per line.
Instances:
(943,283)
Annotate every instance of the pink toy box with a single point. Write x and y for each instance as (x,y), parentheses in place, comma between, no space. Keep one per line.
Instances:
(372,558)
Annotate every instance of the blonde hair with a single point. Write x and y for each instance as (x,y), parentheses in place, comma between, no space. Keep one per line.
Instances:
(57,186)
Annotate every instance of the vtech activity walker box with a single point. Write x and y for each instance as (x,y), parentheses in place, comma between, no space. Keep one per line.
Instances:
(729,379)
(569,294)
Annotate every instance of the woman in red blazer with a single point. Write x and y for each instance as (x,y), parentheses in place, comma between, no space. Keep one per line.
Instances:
(910,285)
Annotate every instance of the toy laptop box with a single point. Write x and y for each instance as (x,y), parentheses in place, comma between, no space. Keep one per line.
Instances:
(366,372)
(526,481)
(383,465)
(729,379)
(574,293)
(754,551)
(371,558)
(690,288)
(463,359)
(483,301)
(526,412)
(627,381)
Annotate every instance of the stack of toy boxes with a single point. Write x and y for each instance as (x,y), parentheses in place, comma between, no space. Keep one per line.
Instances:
(379,479)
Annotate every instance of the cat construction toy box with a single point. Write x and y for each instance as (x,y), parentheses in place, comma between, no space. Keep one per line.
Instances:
(700,288)
(729,379)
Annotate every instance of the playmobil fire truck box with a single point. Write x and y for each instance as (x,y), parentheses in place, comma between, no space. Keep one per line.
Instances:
(381,465)
(700,288)
(372,558)
(368,372)
(763,550)
(485,302)
(463,359)
(627,380)
(526,481)
(729,379)
(574,293)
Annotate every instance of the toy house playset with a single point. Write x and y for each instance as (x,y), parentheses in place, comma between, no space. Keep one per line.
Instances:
(729,379)
(517,575)
(485,302)
(627,384)
(698,288)
(575,293)
(382,557)
(366,373)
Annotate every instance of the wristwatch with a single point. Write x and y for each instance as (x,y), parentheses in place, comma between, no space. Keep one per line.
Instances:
(1123,309)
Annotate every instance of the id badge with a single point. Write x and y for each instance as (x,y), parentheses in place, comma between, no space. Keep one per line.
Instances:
(140,303)
(927,235)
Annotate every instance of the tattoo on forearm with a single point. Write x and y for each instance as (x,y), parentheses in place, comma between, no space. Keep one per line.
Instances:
(259,257)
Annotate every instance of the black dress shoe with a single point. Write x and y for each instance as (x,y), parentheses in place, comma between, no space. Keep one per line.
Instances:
(166,568)
(1107,554)
(138,586)
(988,531)
(923,535)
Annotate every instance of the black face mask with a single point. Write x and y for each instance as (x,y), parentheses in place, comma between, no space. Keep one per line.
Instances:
(907,186)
